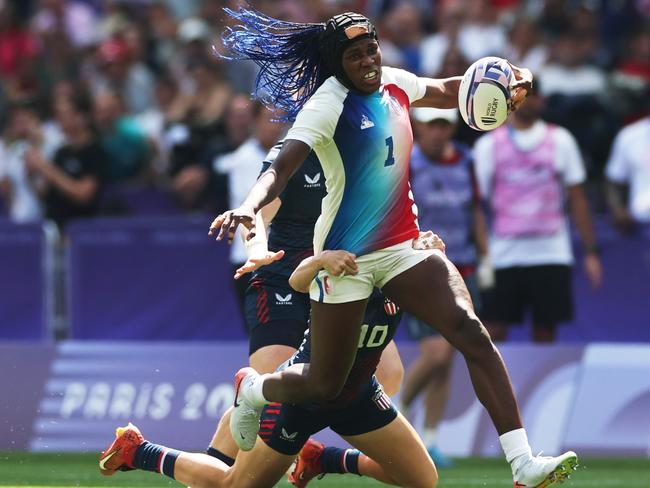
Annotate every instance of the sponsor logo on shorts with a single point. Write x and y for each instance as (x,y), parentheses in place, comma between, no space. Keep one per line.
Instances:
(313,182)
(286,300)
(284,435)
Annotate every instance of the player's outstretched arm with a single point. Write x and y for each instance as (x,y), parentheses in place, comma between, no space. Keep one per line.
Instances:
(443,92)
(335,263)
(266,189)
(257,251)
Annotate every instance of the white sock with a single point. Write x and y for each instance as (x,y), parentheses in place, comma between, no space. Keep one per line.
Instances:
(429,435)
(255,392)
(516,448)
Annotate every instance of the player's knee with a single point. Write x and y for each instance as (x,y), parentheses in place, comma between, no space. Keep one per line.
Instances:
(391,377)
(424,480)
(471,338)
(325,390)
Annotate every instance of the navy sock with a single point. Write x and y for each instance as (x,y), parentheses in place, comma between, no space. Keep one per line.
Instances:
(159,459)
(216,453)
(336,460)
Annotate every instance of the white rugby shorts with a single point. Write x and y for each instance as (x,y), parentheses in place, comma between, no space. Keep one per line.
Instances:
(375,270)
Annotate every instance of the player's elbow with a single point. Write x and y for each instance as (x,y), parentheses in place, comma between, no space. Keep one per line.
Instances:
(297,284)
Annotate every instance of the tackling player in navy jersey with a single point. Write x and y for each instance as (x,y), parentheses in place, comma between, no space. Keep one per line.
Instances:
(362,414)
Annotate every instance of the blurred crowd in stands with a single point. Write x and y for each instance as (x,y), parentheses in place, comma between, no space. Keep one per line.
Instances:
(117,107)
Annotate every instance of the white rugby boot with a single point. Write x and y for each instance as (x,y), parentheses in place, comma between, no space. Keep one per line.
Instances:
(545,471)
(245,416)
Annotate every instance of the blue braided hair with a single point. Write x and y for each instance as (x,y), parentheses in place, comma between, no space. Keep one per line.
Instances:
(287,53)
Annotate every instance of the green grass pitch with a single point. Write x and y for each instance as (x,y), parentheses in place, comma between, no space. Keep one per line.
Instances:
(80,471)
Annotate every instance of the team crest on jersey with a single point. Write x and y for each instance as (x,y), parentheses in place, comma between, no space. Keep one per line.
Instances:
(286,300)
(390,307)
(312,182)
(381,399)
(366,123)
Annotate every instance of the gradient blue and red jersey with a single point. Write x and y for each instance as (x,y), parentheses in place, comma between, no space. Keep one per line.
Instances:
(364,144)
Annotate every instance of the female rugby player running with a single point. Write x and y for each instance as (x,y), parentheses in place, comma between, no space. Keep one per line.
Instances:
(277,315)
(362,414)
(354,114)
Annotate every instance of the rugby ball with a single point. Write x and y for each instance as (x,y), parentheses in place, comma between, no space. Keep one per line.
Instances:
(484,93)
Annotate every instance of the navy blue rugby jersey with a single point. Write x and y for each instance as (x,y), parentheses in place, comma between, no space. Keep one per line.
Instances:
(292,228)
(380,324)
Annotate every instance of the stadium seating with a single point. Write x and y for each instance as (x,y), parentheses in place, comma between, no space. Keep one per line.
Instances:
(149,279)
(24,265)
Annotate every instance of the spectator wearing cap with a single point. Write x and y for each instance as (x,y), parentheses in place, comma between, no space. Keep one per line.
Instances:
(445,192)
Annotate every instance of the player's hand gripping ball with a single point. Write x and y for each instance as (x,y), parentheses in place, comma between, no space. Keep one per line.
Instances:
(485,95)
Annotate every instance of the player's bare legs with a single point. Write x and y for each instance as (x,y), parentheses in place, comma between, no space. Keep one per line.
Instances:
(389,372)
(259,468)
(335,330)
(409,466)
(434,292)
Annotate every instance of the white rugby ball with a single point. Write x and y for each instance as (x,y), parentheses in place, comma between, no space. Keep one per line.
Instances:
(484,93)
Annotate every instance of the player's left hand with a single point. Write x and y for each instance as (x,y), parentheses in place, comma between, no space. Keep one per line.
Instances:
(254,263)
(228,222)
(521,87)
(428,240)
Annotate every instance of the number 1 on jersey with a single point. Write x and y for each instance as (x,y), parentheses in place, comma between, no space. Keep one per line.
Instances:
(390,160)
